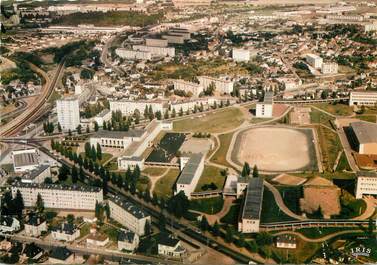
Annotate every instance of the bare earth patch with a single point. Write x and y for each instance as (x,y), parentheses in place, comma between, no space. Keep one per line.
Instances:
(276,149)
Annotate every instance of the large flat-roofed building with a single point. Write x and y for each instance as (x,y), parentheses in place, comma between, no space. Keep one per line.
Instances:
(222,86)
(314,60)
(188,87)
(130,162)
(128,107)
(128,214)
(252,207)
(158,51)
(174,38)
(363,98)
(364,137)
(25,160)
(240,55)
(366,184)
(189,104)
(117,139)
(57,196)
(68,111)
(264,109)
(185,33)
(132,54)
(103,116)
(190,174)
(37,175)
(154,42)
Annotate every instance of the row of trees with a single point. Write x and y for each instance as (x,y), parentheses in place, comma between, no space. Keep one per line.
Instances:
(12,206)
(246,170)
(93,153)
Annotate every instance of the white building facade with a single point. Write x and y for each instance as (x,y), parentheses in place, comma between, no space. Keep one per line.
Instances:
(68,111)
(363,98)
(366,184)
(222,86)
(314,60)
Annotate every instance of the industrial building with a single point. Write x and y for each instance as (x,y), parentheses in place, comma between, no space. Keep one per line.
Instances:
(363,98)
(68,111)
(363,137)
(252,207)
(191,170)
(25,159)
(264,109)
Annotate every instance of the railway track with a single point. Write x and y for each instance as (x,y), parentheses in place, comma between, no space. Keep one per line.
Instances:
(40,108)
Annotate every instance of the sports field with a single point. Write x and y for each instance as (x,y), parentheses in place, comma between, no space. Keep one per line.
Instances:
(276,149)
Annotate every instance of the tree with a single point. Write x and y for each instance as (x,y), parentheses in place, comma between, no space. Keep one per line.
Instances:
(86,74)
(158,115)
(39,204)
(63,173)
(99,152)
(147,228)
(173,114)
(74,175)
(204,225)
(255,172)
(263,239)
(216,229)
(81,174)
(70,218)
(181,112)
(59,127)
(229,235)
(18,204)
(93,153)
(96,127)
(87,129)
(245,170)
(166,114)
(78,129)
(87,149)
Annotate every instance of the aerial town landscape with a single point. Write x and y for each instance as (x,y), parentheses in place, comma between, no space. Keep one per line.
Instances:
(188,132)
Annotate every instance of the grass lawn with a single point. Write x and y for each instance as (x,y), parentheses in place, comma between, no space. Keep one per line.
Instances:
(271,211)
(215,122)
(112,165)
(317,232)
(84,229)
(351,207)
(154,171)
(317,116)
(209,205)
(232,216)
(291,196)
(304,251)
(337,109)
(259,120)
(54,96)
(370,118)
(8,168)
(330,146)
(220,156)
(110,231)
(343,163)
(328,175)
(210,175)
(164,186)
(105,157)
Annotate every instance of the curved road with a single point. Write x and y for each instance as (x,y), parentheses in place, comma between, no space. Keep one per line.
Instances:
(36,108)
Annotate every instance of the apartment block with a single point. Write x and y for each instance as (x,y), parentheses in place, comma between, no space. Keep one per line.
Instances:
(68,111)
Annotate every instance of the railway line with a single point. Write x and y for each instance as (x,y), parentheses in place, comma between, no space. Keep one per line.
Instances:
(37,109)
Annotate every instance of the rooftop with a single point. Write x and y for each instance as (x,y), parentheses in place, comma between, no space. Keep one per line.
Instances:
(60,253)
(366,132)
(128,206)
(126,236)
(56,187)
(268,97)
(35,172)
(25,159)
(190,168)
(253,199)
(119,134)
(167,240)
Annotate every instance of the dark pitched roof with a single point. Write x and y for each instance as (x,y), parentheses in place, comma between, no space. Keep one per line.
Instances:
(65,228)
(32,250)
(60,253)
(126,236)
(35,220)
(253,199)
(167,240)
(128,206)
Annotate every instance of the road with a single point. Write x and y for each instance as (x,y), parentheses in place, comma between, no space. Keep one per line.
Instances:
(105,58)
(37,108)
(110,254)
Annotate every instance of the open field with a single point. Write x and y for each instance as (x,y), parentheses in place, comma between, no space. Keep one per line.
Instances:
(154,171)
(164,186)
(303,252)
(330,146)
(367,117)
(275,153)
(232,216)
(337,109)
(210,175)
(220,156)
(215,122)
(271,211)
(328,175)
(105,157)
(319,117)
(143,184)
(209,205)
